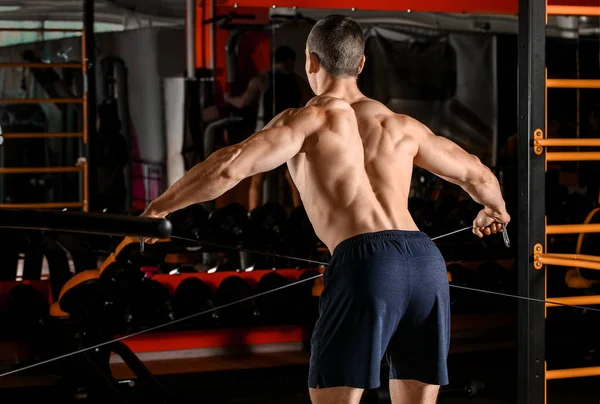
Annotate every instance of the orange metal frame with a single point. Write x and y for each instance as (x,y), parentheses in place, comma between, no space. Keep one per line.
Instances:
(42,135)
(84,135)
(573,83)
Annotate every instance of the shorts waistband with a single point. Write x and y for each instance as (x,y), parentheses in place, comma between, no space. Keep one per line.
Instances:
(398,235)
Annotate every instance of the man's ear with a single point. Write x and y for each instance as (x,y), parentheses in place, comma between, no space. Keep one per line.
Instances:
(361,64)
(314,64)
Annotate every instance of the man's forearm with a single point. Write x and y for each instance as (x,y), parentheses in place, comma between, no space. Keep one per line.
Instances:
(238,101)
(204,182)
(486,191)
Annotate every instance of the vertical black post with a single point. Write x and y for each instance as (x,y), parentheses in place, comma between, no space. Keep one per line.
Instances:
(90,89)
(531,205)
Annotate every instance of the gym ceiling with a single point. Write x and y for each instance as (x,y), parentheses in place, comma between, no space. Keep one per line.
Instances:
(172,13)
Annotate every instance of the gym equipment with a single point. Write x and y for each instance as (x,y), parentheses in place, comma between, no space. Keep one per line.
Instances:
(269,221)
(191,297)
(89,223)
(301,239)
(28,320)
(268,228)
(461,300)
(589,244)
(190,222)
(151,305)
(278,307)
(230,224)
(26,307)
(232,289)
(82,293)
(123,287)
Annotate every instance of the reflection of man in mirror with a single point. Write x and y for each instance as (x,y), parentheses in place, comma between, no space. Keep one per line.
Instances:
(111,157)
(290,92)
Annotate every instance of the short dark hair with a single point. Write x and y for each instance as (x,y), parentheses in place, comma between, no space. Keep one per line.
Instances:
(284,53)
(339,43)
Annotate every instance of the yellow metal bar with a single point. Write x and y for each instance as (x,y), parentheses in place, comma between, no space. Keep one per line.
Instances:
(566,262)
(43,65)
(572,373)
(41,135)
(567,142)
(573,301)
(40,100)
(583,257)
(572,228)
(572,83)
(45,205)
(39,29)
(39,170)
(572,156)
(573,10)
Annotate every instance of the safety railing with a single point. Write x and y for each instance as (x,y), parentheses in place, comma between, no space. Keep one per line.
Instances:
(83,168)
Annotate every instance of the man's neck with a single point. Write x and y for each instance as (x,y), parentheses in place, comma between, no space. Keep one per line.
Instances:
(342,88)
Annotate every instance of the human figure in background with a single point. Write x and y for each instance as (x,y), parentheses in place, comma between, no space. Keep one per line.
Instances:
(291,91)
(111,157)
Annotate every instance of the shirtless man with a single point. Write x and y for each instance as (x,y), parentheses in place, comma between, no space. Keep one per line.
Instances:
(386,289)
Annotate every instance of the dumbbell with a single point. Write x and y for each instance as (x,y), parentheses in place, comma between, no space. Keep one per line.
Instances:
(190,222)
(275,308)
(268,224)
(230,224)
(234,289)
(230,227)
(152,305)
(193,296)
(122,284)
(462,301)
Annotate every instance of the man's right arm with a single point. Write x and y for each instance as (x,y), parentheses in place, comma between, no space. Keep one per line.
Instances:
(447,160)
(251,96)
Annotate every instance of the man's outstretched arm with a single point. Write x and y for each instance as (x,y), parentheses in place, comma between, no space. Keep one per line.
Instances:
(225,168)
(251,96)
(447,160)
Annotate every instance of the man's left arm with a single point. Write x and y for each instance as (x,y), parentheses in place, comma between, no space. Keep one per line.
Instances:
(266,150)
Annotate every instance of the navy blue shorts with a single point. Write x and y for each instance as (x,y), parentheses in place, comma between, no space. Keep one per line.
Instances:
(385,295)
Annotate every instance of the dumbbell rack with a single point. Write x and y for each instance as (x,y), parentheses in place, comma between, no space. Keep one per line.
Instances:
(88,111)
(533,159)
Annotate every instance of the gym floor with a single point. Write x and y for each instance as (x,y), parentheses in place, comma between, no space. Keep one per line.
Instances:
(497,371)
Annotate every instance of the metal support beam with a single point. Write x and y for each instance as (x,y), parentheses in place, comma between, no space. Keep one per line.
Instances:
(190,38)
(531,213)
(90,93)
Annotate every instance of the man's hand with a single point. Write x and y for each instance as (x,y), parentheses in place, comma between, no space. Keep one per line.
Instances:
(152,214)
(487,223)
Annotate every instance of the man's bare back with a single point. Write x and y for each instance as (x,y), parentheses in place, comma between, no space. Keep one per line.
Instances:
(359,155)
